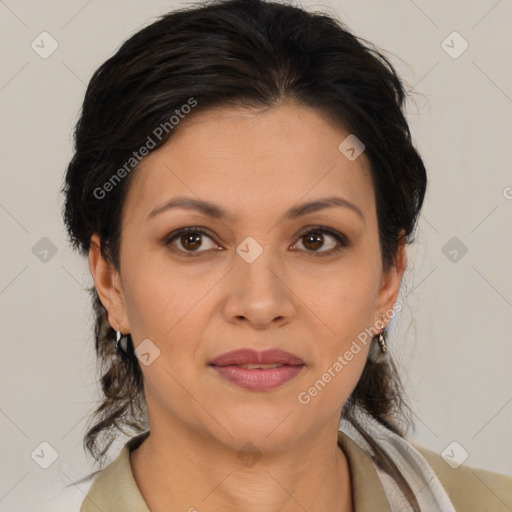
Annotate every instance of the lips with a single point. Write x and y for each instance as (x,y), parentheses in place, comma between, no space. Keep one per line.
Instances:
(252,357)
(258,371)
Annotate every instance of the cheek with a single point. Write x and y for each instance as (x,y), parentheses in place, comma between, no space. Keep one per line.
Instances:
(165,308)
(344,306)
(344,297)
(151,298)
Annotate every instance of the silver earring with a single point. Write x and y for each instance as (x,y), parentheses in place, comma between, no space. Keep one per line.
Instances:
(382,341)
(121,343)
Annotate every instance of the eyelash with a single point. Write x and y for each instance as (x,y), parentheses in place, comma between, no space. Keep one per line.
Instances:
(341,239)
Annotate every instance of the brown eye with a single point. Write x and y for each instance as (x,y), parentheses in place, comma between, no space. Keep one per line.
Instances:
(190,240)
(315,239)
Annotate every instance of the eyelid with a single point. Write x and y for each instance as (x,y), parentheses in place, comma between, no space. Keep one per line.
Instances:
(338,236)
(167,242)
(322,229)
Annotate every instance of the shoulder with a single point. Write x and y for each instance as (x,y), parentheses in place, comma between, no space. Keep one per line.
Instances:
(471,489)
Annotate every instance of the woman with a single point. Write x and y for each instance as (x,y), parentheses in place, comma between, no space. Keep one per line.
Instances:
(244,185)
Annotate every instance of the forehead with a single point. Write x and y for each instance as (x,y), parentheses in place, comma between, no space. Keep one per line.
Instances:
(250,160)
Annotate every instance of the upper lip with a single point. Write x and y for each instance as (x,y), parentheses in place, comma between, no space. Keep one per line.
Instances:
(248,356)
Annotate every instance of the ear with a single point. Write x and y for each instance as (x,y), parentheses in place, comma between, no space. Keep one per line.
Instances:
(108,286)
(390,283)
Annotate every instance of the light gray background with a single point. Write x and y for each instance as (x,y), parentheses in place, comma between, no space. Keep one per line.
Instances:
(453,339)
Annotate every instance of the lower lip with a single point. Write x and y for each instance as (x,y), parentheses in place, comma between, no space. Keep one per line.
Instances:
(258,379)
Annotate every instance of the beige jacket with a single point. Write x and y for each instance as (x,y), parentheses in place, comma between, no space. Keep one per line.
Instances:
(469,489)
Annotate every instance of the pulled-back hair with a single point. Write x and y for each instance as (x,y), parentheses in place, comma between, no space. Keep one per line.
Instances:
(245,53)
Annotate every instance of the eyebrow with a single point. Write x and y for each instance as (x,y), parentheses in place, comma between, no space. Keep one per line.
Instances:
(216,212)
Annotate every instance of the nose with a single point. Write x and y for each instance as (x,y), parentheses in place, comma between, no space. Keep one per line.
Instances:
(258,294)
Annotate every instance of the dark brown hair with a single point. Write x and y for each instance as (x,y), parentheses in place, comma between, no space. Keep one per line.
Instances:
(245,53)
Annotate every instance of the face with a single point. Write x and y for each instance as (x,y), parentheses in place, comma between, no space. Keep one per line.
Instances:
(262,273)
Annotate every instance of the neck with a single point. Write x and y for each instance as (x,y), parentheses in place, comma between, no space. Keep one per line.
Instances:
(192,473)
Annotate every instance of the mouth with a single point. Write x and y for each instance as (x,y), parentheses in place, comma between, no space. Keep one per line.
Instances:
(258,366)
(262,359)
(258,379)
(258,371)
